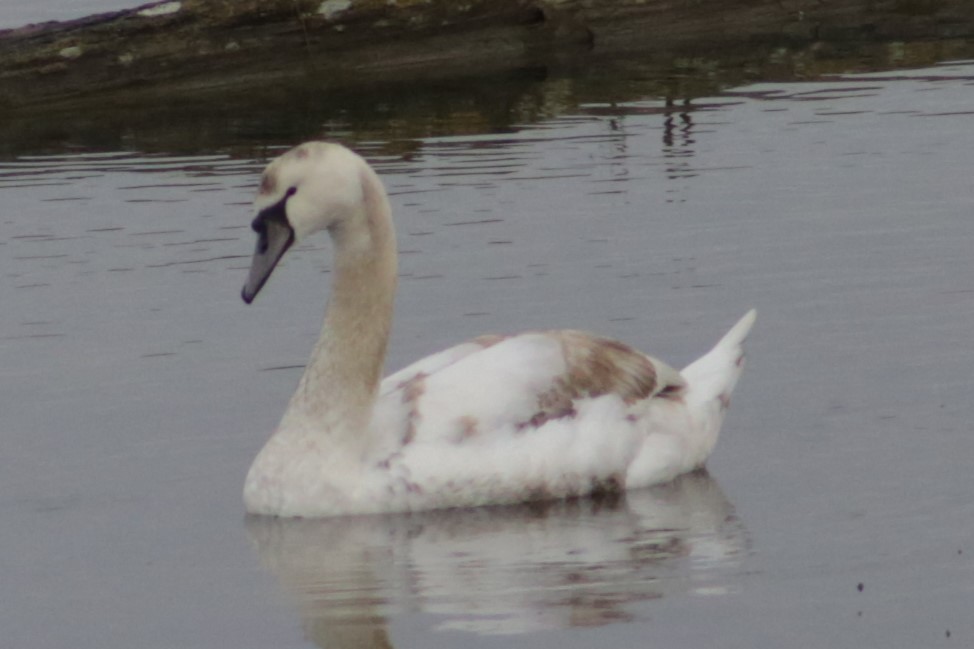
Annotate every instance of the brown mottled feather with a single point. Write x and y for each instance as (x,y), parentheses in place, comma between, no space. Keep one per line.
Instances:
(268,183)
(468,428)
(489,340)
(412,390)
(597,366)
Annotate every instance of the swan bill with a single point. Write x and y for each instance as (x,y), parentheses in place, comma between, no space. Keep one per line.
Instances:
(274,236)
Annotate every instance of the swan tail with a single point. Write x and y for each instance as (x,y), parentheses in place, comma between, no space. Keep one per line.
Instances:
(712,377)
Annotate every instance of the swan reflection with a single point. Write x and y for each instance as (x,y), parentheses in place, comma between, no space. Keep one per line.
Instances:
(504,570)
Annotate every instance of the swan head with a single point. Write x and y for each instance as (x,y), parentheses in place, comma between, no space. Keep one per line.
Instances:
(314,186)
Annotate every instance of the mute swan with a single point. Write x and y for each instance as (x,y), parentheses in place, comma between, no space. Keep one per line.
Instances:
(499,419)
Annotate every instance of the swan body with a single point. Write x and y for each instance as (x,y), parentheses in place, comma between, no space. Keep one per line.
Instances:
(499,419)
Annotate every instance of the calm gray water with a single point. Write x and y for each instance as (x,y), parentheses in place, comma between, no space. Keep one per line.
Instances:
(136,386)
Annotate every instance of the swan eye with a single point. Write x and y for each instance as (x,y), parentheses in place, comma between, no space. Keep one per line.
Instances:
(259,226)
(278,212)
(261,230)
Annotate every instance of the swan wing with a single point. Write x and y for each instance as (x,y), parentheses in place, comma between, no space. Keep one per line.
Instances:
(433,363)
(494,389)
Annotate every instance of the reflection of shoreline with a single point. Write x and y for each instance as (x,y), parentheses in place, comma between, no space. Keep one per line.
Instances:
(243,123)
(504,569)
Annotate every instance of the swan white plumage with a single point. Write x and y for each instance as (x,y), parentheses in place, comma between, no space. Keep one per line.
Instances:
(499,419)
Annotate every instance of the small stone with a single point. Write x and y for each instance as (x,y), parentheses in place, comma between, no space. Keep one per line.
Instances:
(331,8)
(72,52)
(163,9)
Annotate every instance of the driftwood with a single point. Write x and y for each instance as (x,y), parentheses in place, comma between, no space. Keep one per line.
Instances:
(171,49)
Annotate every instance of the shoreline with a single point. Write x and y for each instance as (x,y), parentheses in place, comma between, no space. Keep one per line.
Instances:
(197,48)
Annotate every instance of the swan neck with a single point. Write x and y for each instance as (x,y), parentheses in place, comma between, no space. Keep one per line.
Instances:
(338,389)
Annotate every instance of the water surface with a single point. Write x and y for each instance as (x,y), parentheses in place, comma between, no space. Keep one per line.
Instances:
(136,387)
